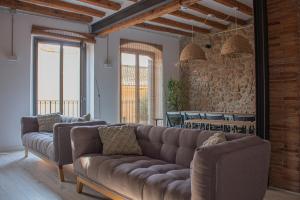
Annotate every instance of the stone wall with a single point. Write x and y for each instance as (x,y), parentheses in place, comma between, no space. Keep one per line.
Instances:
(220,84)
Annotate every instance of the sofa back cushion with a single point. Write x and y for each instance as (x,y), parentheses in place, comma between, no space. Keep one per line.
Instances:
(84,118)
(173,145)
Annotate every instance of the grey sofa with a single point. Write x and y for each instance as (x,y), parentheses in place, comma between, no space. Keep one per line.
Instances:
(174,166)
(54,146)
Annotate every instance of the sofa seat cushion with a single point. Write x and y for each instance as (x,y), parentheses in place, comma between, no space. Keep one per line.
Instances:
(41,142)
(173,185)
(134,176)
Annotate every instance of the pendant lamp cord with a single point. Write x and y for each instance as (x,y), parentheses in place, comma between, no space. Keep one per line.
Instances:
(236,26)
(206,18)
(203,23)
(192,33)
(12,32)
(99,98)
(107,48)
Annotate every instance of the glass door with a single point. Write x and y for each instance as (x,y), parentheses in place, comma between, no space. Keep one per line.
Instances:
(136,87)
(71,81)
(58,78)
(48,78)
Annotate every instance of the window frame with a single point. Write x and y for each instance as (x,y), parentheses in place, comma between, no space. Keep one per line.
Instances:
(61,43)
(137,53)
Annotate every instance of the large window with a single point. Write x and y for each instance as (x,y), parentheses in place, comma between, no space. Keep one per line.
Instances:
(136,86)
(140,68)
(58,78)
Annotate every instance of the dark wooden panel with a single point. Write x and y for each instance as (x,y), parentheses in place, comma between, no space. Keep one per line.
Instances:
(284,87)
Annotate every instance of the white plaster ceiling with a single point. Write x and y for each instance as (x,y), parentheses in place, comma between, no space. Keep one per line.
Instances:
(208,3)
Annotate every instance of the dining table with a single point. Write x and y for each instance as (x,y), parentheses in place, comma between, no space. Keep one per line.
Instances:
(230,123)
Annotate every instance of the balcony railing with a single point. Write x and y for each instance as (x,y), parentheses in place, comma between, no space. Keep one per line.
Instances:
(70,107)
(129,111)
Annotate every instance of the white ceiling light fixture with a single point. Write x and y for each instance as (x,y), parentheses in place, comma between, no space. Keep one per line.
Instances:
(107,62)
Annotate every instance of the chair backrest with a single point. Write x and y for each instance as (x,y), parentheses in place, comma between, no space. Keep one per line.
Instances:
(174,119)
(192,115)
(250,118)
(228,117)
(202,115)
(214,116)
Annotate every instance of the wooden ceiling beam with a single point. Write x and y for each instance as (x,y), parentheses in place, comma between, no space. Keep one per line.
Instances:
(61,5)
(205,10)
(151,13)
(27,7)
(60,33)
(103,4)
(240,6)
(163,29)
(188,16)
(187,27)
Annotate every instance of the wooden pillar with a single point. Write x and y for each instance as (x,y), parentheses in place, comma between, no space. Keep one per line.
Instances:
(284,92)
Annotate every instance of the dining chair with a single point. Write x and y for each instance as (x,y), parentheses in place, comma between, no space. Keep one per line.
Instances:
(228,128)
(243,129)
(190,116)
(214,116)
(175,119)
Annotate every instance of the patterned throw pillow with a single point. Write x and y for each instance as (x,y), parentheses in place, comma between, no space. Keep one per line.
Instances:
(46,122)
(119,140)
(215,139)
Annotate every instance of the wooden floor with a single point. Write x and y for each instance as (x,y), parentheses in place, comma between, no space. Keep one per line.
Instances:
(34,179)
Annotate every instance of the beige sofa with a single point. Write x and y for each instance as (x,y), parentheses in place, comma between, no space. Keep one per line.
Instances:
(51,146)
(174,166)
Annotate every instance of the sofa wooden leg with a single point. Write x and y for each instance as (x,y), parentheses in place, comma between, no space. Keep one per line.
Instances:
(26,152)
(79,185)
(61,173)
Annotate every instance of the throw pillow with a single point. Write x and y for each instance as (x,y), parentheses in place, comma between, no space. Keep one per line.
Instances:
(215,139)
(85,118)
(46,122)
(119,140)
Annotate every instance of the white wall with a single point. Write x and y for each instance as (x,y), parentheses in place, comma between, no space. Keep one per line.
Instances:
(15,77)
(108,78)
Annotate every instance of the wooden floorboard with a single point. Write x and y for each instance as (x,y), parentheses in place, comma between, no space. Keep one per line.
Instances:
(34,179)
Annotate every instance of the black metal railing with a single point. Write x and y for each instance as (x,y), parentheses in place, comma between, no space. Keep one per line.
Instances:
(70,107)
(128,111)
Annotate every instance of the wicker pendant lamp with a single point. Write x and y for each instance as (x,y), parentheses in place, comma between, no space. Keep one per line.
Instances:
(236,45)
(192,51)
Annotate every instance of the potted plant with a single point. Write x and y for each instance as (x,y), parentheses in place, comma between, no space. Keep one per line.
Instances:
(175,96)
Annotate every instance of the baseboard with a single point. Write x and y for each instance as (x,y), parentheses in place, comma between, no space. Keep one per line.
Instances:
(11,148)
(283,190)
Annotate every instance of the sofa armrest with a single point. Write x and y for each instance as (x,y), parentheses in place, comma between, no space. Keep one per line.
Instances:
(236,169)
(62,140)
(85,140)
(29,124)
